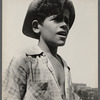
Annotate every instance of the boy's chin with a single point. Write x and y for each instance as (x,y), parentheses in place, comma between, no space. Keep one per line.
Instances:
(61,43)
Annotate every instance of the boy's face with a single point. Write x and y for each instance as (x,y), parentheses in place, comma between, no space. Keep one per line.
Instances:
(55,28)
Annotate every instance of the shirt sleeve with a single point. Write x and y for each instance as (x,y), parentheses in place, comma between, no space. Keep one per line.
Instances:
(14,83)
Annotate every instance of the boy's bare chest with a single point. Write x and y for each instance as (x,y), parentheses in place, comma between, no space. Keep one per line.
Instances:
(60,75)
(59,71)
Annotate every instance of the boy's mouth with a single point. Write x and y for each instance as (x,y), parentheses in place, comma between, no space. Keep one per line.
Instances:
(63,33)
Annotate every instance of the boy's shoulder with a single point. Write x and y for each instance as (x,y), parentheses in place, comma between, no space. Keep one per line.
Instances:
(31,50)
(27,53)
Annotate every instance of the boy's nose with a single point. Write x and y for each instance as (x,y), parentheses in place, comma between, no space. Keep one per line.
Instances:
(64,26)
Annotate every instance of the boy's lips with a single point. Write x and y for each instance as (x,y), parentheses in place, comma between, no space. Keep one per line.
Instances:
(63,33)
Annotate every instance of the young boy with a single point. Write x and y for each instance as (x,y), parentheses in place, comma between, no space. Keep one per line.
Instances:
(40,73)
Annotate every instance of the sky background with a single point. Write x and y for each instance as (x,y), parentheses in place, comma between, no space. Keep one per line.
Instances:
(80,50)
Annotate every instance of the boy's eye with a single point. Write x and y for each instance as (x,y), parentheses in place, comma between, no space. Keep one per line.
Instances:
(58,18)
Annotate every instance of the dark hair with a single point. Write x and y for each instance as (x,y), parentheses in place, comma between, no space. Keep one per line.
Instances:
(47,8)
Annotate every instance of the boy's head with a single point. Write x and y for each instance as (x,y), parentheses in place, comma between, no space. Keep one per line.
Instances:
(39,10)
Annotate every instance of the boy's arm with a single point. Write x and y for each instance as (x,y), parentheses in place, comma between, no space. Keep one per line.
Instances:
(14,84)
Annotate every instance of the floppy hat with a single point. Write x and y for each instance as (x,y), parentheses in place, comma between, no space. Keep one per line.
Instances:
(32,12)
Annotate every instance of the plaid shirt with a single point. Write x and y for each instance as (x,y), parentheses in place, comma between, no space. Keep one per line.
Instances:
(31,76)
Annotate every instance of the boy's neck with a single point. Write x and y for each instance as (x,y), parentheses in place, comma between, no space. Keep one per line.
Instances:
(48,49)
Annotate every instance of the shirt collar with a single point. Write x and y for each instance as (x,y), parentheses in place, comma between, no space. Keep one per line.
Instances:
(36,50)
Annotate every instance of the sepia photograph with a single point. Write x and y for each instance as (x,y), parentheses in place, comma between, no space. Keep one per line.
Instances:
(50,50)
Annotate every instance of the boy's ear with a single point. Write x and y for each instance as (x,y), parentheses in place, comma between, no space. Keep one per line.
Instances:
(35,26)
